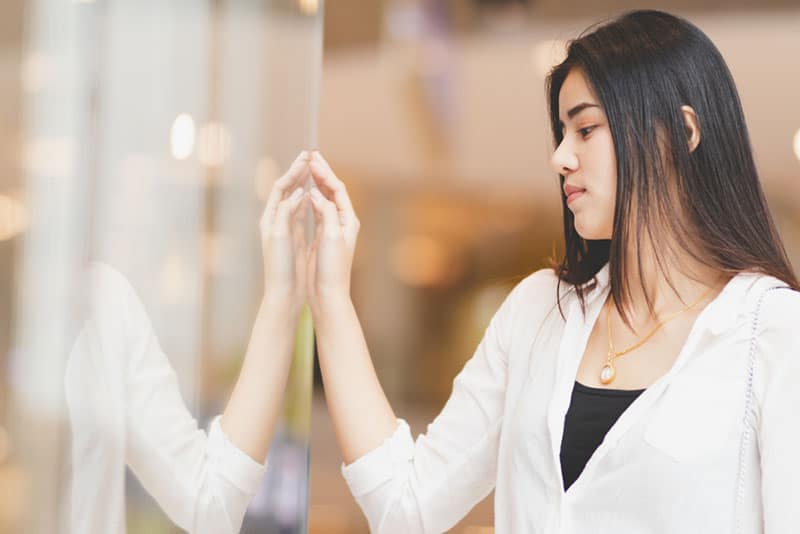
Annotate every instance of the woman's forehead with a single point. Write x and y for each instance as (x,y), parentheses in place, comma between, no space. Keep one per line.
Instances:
(575,96)
(575,90)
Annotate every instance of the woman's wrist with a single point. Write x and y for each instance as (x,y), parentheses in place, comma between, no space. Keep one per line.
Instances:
(282,302)
(329,305)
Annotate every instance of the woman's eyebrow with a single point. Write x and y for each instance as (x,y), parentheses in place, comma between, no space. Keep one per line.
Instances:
(577,109)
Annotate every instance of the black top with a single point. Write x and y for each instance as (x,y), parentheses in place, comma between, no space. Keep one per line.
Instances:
(592,412)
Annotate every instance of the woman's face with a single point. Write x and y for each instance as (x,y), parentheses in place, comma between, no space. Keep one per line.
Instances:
(586,158)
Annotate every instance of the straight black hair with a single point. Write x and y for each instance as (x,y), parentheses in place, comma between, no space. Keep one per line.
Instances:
(643,66)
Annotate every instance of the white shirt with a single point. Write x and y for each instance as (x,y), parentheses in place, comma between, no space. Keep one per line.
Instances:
(125,407)
(674,462)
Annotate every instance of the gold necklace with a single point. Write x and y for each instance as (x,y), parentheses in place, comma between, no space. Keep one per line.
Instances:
(608,372)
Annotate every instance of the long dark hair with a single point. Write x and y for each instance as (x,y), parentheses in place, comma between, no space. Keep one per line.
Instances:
(643,66)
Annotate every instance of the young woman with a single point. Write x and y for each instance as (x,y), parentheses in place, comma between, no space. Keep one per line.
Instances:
(125,407)
(646,382)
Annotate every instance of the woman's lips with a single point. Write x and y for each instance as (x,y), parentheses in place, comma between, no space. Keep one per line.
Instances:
(575,194)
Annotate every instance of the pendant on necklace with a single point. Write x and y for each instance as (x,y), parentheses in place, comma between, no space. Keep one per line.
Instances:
(607,373)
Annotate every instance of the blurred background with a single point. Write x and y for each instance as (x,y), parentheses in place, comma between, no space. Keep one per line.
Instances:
(146,134)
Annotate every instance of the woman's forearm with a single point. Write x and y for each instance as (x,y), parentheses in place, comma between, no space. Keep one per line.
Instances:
(252,412)
(359,409)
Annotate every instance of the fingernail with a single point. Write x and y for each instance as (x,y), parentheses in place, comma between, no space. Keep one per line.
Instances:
(296,194)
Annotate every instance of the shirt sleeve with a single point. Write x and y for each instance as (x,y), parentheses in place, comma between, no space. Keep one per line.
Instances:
(429,485)
(779,419)
(202,481)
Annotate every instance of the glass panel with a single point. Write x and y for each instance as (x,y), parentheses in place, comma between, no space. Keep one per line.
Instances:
(152,133)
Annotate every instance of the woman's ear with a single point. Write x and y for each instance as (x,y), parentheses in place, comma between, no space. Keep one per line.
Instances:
(692,127)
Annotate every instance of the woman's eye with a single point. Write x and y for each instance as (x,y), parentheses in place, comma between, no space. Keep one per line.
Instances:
(586,131)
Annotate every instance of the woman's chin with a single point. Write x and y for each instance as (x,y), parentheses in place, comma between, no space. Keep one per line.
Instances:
(584,232)
(590,233)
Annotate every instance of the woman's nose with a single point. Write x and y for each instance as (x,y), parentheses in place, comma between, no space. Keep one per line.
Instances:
(564,161)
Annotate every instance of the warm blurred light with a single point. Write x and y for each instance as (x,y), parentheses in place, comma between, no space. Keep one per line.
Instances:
(309,7)
(213,144)
(478,530)
(797,144)
(182,136)
(266,174)
(423,261)
(51,156)
(546,54)
(13,217)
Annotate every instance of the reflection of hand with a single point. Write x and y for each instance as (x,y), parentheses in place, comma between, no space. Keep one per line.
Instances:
(281,236)
(331,255)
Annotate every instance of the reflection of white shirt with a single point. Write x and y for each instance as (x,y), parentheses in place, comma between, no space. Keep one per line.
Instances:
(125,408)
(673,462)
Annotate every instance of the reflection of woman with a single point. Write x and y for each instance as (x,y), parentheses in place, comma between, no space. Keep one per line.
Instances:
(647,383)
(125,406)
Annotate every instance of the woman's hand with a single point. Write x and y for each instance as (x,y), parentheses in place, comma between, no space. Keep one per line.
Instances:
(330,258)
(282,241)
(253,410)
(361,414)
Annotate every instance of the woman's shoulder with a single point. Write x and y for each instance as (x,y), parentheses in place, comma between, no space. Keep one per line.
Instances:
(529,306)
(106,284)
(774,308)
(544,287)
(542,278)
(538,287)
(111,295)
(776,330)
(778,306)
(535,294)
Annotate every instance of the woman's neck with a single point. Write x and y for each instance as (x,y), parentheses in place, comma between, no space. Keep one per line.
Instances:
(691,281)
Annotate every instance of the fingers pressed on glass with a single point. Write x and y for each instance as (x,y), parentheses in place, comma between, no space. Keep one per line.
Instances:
(286,209)
(297,223)
(330,185)
(325,213)
(288,182)
(333,189)
(299,215)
